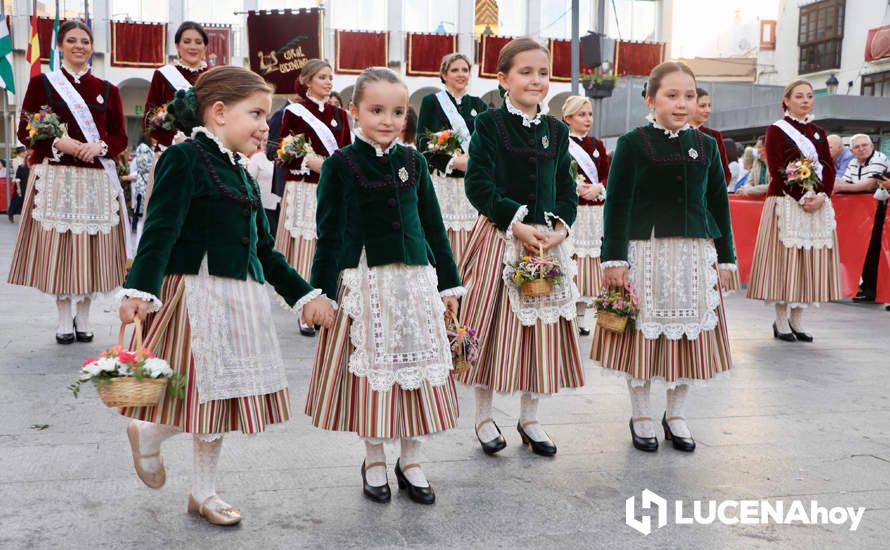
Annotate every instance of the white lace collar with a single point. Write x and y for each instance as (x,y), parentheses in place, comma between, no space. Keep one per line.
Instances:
(74,75)
(234,158)
(319,102)
(671,134)
(378,149)
(805,120)
(527,121)
(201,66)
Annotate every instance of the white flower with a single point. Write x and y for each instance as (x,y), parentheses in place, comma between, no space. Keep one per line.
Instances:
(156,368)
(107,364)
(89,370)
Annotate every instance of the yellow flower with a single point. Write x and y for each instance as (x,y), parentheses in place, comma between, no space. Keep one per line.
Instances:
(804,172)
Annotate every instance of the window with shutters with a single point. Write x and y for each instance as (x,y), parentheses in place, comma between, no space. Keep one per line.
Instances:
(820,35)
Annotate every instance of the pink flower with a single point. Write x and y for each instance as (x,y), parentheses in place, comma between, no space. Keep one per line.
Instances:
(126,357)
(88,361)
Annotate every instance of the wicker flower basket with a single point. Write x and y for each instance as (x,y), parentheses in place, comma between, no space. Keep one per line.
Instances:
(538,287)
(611,321)
(459,364)
(127,391)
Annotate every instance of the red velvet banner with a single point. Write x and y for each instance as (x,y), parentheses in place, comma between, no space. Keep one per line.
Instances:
(855,216)
(561,60)
(45,36)
(357,50)
(877,44)
(489,48)
(218,39)
(138,44)
(425,52)
(637,58)
(281,42)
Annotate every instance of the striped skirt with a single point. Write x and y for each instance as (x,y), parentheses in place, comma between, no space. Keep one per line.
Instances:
(341,401)
(458,239)
(167,334)
(590,277)
(542,358)
(681,361)
(793,275)
(61,262)
(295,237)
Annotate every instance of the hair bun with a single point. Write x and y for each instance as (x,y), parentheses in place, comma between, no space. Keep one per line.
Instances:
(184,109)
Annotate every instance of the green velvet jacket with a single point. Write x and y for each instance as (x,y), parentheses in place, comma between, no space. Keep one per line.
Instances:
(383,204)
(432,118)
(673,187)
(190,215)
(512,165)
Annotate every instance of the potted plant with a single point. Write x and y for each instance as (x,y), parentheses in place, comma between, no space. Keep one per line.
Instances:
(598,82)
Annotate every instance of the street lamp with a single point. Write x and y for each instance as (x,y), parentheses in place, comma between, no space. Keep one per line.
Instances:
(831,84)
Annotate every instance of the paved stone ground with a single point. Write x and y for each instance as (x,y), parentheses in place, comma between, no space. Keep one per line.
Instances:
(795,421)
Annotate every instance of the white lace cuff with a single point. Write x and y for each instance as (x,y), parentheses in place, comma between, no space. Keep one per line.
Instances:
(57,154)
(313,294)
(449,168)
(520,215)
(103,148)
(457,292)
(615,263)
(155,302)
(551,218)
(730,267)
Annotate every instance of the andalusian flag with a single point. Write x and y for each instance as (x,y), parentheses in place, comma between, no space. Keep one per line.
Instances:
(33,55)
(54,54)
(6,58)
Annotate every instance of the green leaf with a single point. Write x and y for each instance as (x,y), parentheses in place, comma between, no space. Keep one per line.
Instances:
(40,427)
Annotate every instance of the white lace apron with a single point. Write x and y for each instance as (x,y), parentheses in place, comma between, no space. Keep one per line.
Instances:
(75,199)
(457,212)
(587,231)
(232,337)
(560,302)
(398,328)
(676,284)
(299,212)
(801,229)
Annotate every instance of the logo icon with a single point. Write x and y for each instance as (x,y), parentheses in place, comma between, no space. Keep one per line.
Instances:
(644,524)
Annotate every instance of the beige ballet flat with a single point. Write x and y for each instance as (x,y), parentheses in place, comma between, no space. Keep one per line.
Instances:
(226,515)
(154,480)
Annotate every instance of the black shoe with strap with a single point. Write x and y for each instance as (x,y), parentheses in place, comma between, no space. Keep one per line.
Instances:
(379,494)
(784,336)
(65,339)
(647,444)
(685,444)
(495,445)
(82,336)
(801,335)
(420,495)
(543,448)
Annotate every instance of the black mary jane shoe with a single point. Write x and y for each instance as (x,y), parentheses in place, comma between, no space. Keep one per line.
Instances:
(420,495)
(784,336)
(685,444)
(379,494)
(543,448)
(583,331)
(863,299)
(65,339)
(647,444)
(307,331)
(82,336)
(800,335)
(495,445)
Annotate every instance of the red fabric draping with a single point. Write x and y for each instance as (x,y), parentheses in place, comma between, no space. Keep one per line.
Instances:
(138,44)
(561,60)
(218,39)
(3,204)
(425,52)
(356,50)
(489,48)
(45,35)
(637,58)
(877,44)
(855,216)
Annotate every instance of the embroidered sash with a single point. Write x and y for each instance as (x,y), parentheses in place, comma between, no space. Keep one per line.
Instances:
(457,122)
(806,147)
(320,128)
(174,77)
(585,162)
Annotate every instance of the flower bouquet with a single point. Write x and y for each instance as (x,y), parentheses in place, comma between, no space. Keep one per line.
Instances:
(160,120)
(535,275)
(44,125)
(801,173)
(125,378)
(444,141)
(614,308)
(293,147)
(464,345)
(579,180)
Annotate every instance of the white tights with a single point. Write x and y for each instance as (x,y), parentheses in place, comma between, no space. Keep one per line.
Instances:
(409,453)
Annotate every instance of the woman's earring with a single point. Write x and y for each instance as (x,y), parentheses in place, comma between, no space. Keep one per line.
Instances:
(222,122)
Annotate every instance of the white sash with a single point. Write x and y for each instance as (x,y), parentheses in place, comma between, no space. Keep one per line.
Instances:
(87,125)
(457,122)
(320,128)
(585,162)
(174,77)
(806,147)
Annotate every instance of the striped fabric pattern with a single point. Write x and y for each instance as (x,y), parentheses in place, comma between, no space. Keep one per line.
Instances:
(671,360)
(590,277)
(794,275)
(340,401)
(298,250)
(65,263)
(167,334)
(539,359)
(458,239)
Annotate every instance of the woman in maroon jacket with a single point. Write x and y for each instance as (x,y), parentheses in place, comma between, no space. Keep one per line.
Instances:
(327,129)
(72,238)
(593,168)
(700,118)
(795,259)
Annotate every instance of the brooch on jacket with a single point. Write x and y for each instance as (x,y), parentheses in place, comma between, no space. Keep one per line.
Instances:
(693,154)
(403,174)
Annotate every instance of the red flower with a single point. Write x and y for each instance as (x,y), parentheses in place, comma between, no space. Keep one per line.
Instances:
(88,361)
(126,357)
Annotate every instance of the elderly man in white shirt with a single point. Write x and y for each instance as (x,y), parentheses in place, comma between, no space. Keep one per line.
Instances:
(865,174)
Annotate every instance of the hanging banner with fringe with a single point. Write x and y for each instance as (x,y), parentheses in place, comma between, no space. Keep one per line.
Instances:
(489,49)
(281,42)
(358,50)
(425,52)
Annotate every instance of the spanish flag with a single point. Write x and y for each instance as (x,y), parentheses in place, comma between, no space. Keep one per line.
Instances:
(33,54)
